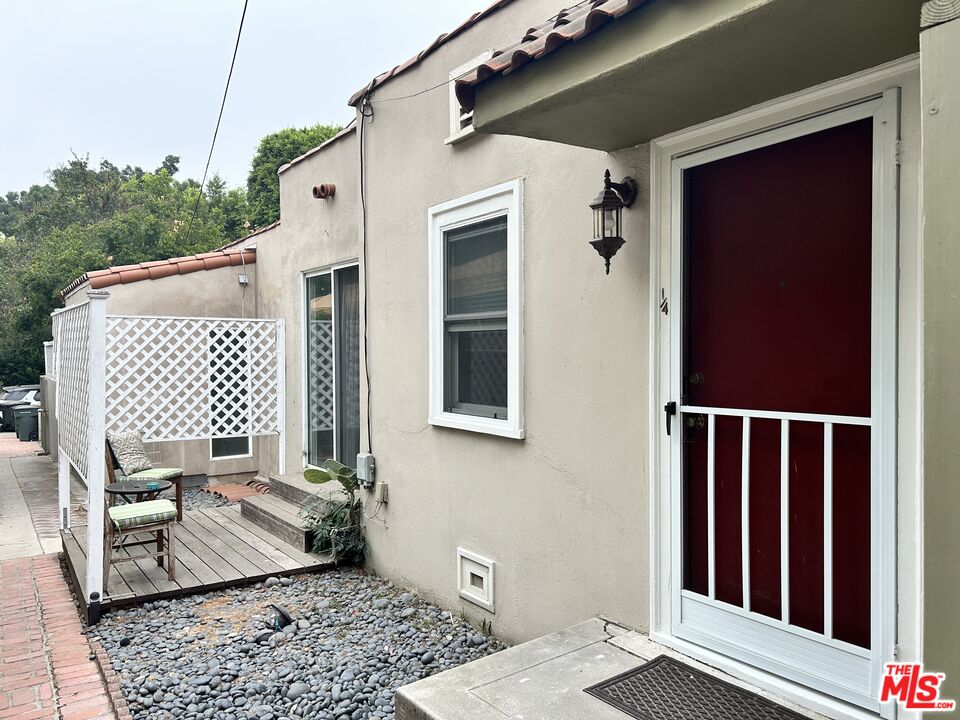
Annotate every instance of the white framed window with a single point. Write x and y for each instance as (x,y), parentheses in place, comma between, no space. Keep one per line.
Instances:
(475,311)
(461,121)
(230,448)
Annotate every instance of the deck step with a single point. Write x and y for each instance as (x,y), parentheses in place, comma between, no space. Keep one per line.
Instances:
(278,516)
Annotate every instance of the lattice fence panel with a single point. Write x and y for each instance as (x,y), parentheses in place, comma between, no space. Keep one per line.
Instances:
(192,378)
(320,375)
(71,332)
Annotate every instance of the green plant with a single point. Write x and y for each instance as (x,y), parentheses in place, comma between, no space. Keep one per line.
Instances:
(337,524)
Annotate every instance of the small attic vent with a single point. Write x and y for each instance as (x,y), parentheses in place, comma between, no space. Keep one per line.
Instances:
(475,578)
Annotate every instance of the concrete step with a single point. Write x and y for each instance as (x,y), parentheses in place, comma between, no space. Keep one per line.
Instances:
(279,517)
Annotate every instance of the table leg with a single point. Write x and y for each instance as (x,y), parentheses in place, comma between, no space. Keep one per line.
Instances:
(179,484)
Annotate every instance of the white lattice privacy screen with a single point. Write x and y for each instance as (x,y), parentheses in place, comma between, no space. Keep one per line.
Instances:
(71,333)
(193,378)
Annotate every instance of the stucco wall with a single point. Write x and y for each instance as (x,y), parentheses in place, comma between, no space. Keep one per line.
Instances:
(209,293)
(563,513)
(313,234)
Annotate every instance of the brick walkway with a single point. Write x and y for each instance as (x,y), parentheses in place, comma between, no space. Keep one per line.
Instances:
(46,670)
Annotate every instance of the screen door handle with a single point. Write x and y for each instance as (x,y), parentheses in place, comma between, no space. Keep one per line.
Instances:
(670,409)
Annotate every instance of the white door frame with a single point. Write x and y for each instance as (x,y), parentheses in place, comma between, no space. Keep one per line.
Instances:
(305,390)
(780,120)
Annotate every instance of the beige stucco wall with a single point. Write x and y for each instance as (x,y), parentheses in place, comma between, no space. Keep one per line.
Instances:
(208,293)
(313,234)
(940,92)
(562,513)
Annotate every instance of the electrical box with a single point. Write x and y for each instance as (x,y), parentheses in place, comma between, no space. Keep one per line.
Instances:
(365,469)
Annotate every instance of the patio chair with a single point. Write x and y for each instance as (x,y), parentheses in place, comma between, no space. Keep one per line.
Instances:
(173,475)
(122,522)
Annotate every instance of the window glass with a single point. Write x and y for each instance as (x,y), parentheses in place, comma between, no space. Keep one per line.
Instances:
(477,268)
(320,391)
(229,447)
(348,364)
(482,369)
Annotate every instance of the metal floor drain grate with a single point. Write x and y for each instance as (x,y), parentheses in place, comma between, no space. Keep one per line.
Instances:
(667,689)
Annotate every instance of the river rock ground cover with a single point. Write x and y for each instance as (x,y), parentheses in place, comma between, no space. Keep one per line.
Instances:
(196,499)
(355,638)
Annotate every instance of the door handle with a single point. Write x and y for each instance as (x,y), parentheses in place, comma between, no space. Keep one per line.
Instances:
(670,409)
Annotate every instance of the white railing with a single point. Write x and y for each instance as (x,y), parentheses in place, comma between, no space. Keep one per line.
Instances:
(785,419)
(169,378)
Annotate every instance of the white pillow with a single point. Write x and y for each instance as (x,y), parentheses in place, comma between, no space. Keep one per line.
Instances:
(128,448)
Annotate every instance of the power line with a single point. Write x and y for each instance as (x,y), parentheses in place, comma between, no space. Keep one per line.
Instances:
(216,130)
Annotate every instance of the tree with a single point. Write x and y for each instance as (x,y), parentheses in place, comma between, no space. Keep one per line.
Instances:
(275,150)
(89,218)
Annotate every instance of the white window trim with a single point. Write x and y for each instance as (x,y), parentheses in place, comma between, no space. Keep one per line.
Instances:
(506,198)
(458,134)
(218,458)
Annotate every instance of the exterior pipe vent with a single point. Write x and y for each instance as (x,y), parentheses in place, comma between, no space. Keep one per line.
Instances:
(324,191)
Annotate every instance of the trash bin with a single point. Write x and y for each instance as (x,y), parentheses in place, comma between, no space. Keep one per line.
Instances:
(27,423)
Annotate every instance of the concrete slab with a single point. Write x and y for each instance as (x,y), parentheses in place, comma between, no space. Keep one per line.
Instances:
(545,679)
(29,514)
(17,535)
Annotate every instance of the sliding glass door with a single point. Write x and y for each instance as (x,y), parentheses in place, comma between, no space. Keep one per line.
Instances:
(332,351)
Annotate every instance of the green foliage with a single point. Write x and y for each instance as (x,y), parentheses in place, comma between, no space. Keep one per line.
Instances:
(337,524)
(275,150)
(89,218)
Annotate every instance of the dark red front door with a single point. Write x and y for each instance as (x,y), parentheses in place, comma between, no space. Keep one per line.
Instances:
(777,317)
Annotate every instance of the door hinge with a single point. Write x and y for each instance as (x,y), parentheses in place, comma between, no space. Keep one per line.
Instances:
(899,150)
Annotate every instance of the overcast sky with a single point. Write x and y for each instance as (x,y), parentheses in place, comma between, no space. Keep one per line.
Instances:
(135,80)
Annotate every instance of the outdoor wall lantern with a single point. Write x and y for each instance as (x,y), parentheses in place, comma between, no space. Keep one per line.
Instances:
(607,215)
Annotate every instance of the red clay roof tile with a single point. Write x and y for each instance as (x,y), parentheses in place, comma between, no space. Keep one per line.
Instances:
(156,269)
(416,59)
(568,25)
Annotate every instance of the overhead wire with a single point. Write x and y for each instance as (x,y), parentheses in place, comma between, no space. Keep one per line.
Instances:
(216,130)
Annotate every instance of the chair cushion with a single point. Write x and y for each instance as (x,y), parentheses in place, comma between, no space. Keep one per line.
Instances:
(157,474)
(128,448)
(142,513)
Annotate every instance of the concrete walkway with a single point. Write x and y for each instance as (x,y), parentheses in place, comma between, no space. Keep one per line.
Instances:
(29,523)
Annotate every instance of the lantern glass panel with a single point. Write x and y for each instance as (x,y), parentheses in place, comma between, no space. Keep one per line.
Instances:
(610,222)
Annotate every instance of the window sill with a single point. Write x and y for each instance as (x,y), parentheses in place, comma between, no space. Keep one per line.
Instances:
(459,137)
(487,426)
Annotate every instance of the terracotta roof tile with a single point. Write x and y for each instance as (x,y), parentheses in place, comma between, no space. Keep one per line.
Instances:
(156,269)
(568,25)
(416,59)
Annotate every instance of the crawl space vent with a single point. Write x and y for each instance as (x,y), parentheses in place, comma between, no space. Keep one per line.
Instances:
(475,578)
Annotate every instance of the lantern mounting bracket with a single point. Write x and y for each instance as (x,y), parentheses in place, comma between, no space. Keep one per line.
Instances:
(627,189)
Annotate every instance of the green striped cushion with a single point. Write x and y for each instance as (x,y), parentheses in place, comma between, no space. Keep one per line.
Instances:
(157,474)
(142,513)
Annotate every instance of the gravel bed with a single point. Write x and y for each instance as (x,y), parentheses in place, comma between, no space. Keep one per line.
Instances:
(355,638)
(195,499)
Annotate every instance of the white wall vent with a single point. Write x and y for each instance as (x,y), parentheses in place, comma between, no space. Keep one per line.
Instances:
(475,578)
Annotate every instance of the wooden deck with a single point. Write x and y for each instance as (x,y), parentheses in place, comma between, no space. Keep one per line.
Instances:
(215,548)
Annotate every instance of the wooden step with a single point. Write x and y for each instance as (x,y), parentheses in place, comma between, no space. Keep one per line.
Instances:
(294,488)
(280,517)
